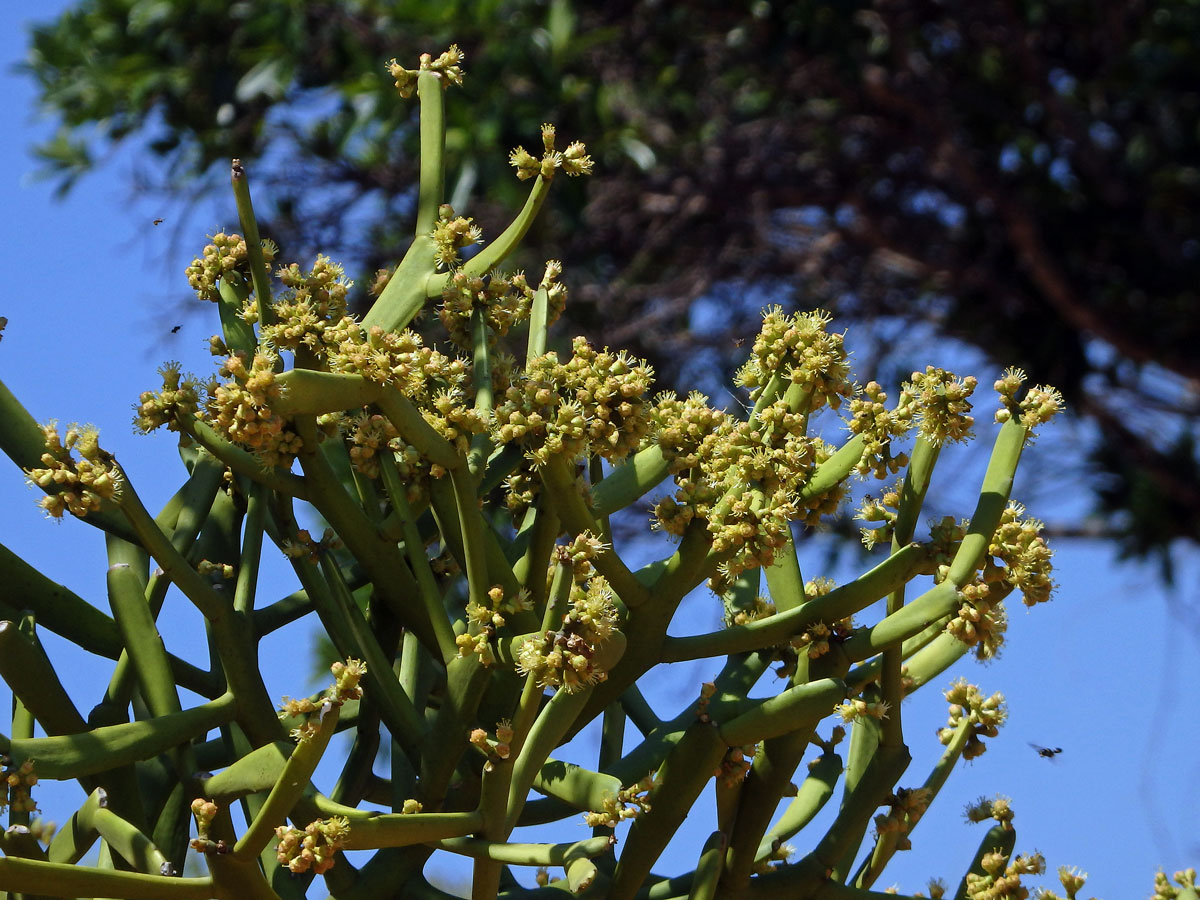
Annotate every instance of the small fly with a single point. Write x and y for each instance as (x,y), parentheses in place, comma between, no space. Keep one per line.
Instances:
(175,330)
(1047,752)
(159,221)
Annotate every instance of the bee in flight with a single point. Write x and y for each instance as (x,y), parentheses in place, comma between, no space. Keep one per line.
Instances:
(1047,752)
(175,330)
(158,221)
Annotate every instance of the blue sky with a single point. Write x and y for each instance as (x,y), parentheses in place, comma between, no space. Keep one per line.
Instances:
(1107,671)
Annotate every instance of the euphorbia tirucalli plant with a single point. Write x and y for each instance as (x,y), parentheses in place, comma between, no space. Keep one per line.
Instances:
(469,579)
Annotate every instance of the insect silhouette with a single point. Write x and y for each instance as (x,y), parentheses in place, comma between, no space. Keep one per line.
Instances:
(737,342)
(175,330)
(1047,752)
(158,221)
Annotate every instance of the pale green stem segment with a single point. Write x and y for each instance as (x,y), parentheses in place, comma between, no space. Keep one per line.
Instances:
(307,392)
(109,746)
(834,470)
(784,579)
(57,608)
(576,786)
(551,725)
(396,706)
(497,782)
(564,494)
(941,599)
(539,325)
(126,594)
(406,290)
(708,869)
(121,836)
(289,787)
(641,472)
(258,770)
(839,603)
(481,445)
(887,844)
(431,93)
(243,462)
(429,594)
(865,743)
(684,773)
(238,333)
(800,706)
(499,249)
(999,839)
(866,673)
(912,498)
(467,503)
(251,555)
(812,795)
(259,276)
(25,667)
(177,568)
(525,854)
(418,432)
(64,880)
(934,658)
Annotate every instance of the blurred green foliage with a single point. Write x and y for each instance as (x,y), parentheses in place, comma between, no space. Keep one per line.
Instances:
(1025,176)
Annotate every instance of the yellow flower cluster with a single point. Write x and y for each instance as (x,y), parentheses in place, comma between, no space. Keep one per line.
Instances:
(1002,878)
(504,302)
(1039,405)
(76,485)
(871,418)
(905,807)
(313,301)
(573,161)
(596,401)
(240,409)
(940,403)
(1025,557)
(447,66)
(451,234)
(980,622)
(347,676)
(17,781)
(225,255)
(178,400)
(565,658)
(799,350)
(313,848)
(984,716)
(1186,879)
(486,621)
(685,429)
(858,708)
(735,765)
(629,803)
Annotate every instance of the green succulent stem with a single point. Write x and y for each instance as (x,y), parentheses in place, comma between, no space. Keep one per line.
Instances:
(289,787)
(428,592)
(63,880)
(26,669)
(841,602)
(254,251)
(100,749)
(1000,838)
(683,774)
(912,499)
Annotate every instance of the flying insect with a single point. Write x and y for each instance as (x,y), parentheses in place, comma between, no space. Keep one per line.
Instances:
(1047,752)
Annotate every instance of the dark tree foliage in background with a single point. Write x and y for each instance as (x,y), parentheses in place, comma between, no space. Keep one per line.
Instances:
(1021,176)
